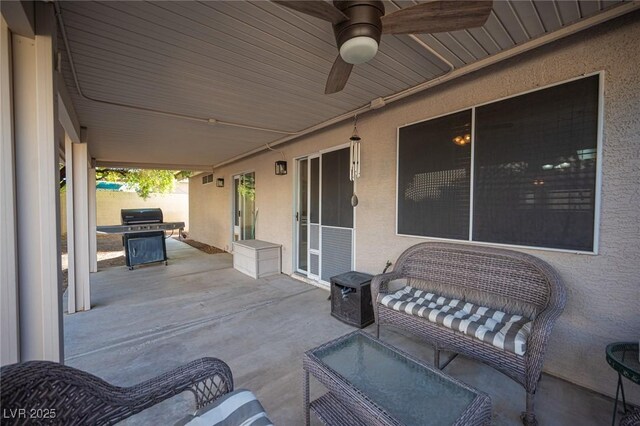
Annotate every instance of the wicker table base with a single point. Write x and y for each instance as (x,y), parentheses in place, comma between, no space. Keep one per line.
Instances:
(372,383)
(331,411)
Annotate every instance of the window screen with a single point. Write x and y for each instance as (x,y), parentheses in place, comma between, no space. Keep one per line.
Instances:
(535,162)
(337,189)
(315,190)
(535,168)
(434,169)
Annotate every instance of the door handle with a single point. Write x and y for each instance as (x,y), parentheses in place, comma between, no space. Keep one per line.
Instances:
(297,219)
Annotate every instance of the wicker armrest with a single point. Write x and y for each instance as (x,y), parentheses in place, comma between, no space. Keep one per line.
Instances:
(77,397)
(379,284)
(542,326)
(537,344)
(206,378)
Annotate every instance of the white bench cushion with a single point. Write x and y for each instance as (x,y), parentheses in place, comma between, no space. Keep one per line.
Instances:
(502,330)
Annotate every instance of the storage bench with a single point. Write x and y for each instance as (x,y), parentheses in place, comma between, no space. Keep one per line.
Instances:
(256,258)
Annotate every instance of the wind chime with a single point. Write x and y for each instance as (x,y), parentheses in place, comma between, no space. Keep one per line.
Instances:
(354,159)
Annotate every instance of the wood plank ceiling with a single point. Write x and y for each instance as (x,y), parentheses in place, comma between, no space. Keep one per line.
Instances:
(255,63)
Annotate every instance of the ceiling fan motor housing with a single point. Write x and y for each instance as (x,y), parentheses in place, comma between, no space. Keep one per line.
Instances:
(364,20)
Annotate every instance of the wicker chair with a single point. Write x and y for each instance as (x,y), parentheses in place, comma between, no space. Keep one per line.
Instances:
(631,419)
(74,397)
(491,273)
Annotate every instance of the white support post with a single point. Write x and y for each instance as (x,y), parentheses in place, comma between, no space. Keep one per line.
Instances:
(37,190)
(10,341)
(93,243)
(81,226)
(77,166)
(71,251)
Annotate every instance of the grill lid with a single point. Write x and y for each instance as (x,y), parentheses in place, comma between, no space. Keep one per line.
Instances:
(150,215)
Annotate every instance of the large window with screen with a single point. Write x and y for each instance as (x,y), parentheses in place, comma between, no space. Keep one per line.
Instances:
(434,177)
(534,162)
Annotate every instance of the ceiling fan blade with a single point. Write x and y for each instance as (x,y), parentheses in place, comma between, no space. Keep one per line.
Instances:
(338,76)
(437,17)
(318,8)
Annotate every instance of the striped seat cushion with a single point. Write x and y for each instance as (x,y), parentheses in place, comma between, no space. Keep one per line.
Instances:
(504,331)
(237,408)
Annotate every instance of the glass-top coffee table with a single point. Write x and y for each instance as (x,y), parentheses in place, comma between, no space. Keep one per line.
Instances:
(372,383)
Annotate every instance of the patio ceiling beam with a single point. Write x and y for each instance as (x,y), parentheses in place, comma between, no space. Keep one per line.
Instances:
(158,166)
(611,13)
(19,17)
(66,111)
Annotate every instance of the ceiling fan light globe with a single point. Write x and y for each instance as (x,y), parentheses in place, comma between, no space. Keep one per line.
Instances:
(358,50)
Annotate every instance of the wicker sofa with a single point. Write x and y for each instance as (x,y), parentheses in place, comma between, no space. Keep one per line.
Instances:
(441,286)
(52,393)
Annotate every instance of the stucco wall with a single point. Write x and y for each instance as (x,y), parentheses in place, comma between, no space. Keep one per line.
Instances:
(603,290)
(175,207)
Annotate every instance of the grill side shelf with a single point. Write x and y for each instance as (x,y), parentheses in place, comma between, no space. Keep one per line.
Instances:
(141,227)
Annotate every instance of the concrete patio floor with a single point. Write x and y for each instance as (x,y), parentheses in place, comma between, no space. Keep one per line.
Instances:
(155,318)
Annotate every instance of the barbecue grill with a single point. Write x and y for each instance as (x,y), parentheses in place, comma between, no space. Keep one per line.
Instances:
(134,216)
(143,235)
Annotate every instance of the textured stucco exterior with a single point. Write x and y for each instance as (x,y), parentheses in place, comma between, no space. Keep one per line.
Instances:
(603,289)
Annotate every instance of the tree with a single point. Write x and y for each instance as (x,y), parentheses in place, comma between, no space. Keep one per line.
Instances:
(247,187)
(143,181)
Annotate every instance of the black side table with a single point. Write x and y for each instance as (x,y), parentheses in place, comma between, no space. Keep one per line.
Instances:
(623,357)
(351,298)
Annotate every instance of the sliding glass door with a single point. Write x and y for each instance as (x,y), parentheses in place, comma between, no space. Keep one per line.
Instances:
(302,215)
(307,216)
(244,199)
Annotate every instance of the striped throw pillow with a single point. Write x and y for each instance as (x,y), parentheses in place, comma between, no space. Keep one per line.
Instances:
(237,408)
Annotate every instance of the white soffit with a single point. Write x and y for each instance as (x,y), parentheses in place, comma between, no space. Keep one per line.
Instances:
(255,63)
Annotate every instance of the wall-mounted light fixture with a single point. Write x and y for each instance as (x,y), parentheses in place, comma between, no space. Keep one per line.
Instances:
(220,182)
(281,167)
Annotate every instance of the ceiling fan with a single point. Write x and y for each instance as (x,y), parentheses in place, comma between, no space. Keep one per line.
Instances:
(358,26)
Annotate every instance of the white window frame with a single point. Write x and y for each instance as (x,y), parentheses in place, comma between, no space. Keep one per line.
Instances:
(598,182)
